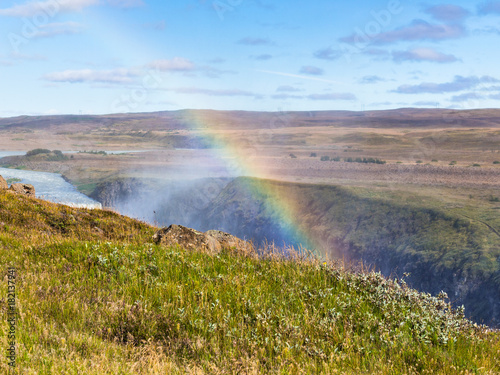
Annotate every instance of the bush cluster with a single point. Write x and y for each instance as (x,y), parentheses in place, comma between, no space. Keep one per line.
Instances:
(354,160)
(38,151)
(54,155)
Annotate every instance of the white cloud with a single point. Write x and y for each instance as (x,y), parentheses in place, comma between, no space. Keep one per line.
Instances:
(92,76)
(254,41)
(53,7)
(288,88)
(312,70)
(298,76)
(448,12)
(126,3)
(371,79)
(177,64)
(459,83)
(15,58)
(417,30)
(186,66)
(423,54)
(328,54)
(212,92)
(332,96)
(262,57)
(48,7)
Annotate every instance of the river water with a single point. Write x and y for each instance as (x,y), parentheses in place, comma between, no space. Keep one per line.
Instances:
(51,187)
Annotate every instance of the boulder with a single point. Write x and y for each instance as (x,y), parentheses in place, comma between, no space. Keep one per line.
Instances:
(25,189)
(187,238)
(3,184)
(212,241)
(230,242)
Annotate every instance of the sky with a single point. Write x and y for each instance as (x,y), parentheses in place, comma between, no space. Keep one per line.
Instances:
(117,56)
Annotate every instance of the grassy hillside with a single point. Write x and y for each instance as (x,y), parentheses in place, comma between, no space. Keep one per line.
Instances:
(95,296)
(456,249)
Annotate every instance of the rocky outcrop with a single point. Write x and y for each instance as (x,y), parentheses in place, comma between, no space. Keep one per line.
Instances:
(110,194)
(211,242)
(230,242)
(187,238)
(25,189)
(3,184)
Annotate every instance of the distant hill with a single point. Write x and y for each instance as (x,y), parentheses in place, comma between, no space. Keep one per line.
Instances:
(405,117)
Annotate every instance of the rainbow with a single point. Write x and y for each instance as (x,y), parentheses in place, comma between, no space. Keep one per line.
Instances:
(240,159)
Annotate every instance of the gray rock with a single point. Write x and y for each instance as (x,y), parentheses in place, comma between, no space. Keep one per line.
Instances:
(212,241)
(187,238)
(25,189)
(230,242)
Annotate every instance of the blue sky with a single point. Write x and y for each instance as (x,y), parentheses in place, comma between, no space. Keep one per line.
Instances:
(108,56)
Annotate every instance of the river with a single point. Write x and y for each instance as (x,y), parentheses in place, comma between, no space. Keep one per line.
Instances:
(51,187)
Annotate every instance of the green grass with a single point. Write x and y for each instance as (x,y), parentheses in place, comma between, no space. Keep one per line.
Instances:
(96,297)
(86,188)
(443,240)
